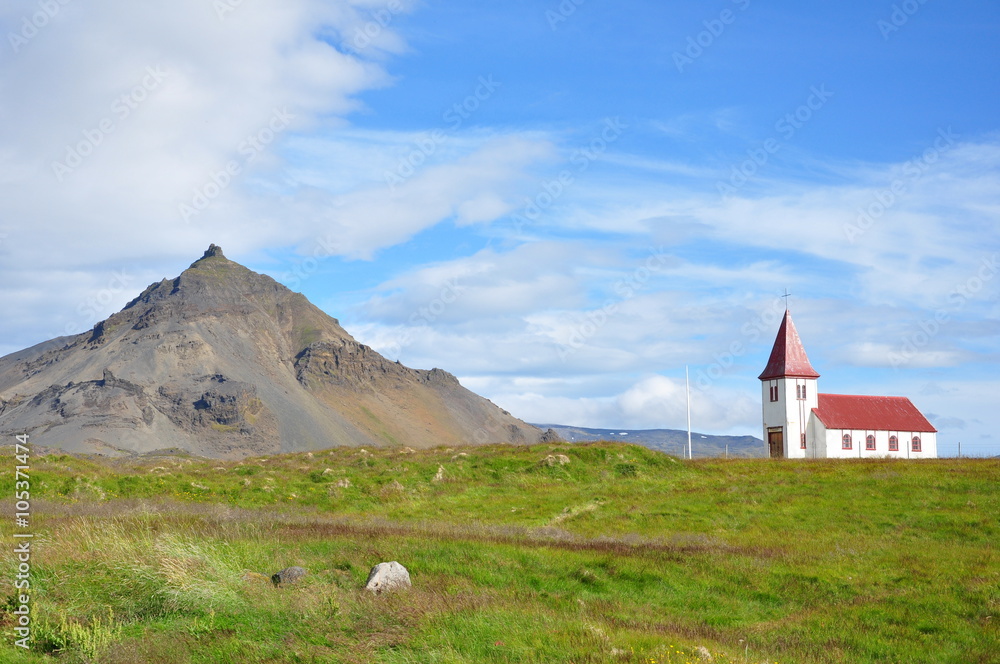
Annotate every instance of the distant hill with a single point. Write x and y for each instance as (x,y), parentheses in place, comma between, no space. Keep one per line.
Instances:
(670,441)
(224,362)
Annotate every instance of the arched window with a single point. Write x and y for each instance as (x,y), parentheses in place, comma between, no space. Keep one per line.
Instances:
(870,442)
(916,443)
(893,444)
(847,441)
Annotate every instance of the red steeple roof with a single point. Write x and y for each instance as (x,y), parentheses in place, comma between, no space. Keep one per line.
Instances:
(846,411)
(788,357)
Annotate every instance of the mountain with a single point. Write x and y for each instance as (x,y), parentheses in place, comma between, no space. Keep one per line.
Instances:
(671,441)
(224,362)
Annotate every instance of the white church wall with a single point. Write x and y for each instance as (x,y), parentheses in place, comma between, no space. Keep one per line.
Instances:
(817,439)
(789,412)
(834,441)
(928,446)
(798,411)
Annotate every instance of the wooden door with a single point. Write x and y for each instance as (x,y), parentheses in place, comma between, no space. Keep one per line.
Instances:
(775,444)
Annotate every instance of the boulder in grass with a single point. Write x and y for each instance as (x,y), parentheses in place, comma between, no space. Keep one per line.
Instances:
(288,575)
(387,577)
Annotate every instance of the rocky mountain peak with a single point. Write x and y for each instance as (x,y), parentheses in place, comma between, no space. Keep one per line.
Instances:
(213,251)
(223,361)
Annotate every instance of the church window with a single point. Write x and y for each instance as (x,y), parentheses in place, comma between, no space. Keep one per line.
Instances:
(916,443)
(774,391)
(800,391)
(803,443)
(847,442)
(870,442)
(893,444)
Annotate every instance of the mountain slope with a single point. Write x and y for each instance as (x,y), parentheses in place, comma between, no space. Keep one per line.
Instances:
(224,362)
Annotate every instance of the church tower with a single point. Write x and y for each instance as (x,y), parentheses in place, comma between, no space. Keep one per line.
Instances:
(788,393)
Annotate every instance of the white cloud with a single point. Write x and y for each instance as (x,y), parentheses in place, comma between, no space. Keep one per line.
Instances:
(488,284)
(653,402)
(856,304)
(373,218)
(141,109)
(143,104)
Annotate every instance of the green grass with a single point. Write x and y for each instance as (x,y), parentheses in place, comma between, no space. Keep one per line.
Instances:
(621,555)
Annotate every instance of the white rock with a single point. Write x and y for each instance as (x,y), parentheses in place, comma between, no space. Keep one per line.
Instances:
(386,577)
(556,459)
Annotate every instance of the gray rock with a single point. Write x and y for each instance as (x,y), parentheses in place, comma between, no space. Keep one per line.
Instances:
(386,577)
(288,575)
(550,436)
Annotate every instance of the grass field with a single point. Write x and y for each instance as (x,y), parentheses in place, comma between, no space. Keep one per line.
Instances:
(554,553)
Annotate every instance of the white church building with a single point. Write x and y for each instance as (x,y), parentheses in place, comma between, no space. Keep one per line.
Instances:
(802,423)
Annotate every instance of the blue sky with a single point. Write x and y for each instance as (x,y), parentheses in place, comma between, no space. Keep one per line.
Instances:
(563,203)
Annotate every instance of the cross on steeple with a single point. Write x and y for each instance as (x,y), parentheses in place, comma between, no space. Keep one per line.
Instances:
(786,296)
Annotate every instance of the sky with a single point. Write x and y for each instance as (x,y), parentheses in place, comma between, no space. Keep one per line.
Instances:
(565,203)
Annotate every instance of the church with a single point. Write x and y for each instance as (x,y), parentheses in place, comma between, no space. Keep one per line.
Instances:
(801,423)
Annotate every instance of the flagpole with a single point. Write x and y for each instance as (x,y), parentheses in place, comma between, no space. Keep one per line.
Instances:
(687,387)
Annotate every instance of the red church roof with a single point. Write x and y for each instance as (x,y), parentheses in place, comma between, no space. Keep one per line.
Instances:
(788,357)
(846,411)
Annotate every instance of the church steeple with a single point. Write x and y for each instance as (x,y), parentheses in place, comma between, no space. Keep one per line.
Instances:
(788,357)
(786,417)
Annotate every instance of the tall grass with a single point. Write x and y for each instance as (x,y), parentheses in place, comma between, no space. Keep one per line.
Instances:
(517,560)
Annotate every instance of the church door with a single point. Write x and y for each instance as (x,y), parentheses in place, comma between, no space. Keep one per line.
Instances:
(775,443)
